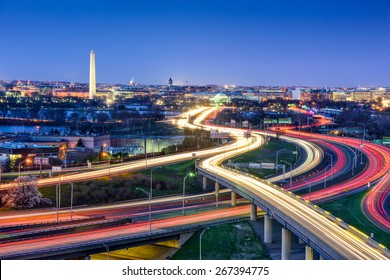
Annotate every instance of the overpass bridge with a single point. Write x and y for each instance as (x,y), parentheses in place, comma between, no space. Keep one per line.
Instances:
(331,237)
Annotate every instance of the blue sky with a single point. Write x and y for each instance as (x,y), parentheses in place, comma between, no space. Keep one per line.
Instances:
(247,42)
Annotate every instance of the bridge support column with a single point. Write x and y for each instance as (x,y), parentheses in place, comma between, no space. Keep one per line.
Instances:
(286,244)
(217,187)
(233,201)
(253,212)
(267,229)
(308,253)
(204,183)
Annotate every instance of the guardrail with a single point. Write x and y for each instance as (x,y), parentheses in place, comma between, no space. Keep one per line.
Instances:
(62,229)
(62,222)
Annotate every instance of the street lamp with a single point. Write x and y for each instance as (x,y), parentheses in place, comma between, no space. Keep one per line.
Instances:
(151,183)
(325,177)
(331,164)
(150,208)
(309,188)
(277,157)
(290,171)
(71,197)
(235,166)
(191,174)
(106,154)
(58,197)
(25,161)
(200,243)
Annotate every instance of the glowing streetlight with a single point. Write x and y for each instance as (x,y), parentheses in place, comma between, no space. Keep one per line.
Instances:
(191,174)
(28,161)
(290,171)
(149,194)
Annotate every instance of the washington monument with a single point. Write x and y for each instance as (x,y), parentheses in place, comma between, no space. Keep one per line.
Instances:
(92,75)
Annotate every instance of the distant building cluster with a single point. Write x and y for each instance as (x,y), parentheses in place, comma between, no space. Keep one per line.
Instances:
(213,94)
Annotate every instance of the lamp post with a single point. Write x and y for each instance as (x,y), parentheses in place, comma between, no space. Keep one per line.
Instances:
(200,243)
(25,161)
(331,164)
(58,197)
(277,158)
(235,166)
(151,185)
(191,174)
(290,171)
(309,188)
(150,208)
(325,177)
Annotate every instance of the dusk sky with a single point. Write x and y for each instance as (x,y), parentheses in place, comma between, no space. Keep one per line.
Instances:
(243,42)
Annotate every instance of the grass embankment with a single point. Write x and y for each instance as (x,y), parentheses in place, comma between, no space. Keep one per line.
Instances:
(267,153)
(167,180)
(350,210)
(235,241)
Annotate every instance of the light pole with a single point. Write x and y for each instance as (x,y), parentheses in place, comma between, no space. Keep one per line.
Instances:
(25,161)
(151,184)
(277,158)
(296,152)
(331,165)
(354,162)
(191,174)
(326,167)
(71,197)
(200,243)
(309,188)
(107,249)
(290,171)
(152,148)
(235,166)
(150,208)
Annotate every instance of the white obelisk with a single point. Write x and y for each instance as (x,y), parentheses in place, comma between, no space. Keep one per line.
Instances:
(92,75)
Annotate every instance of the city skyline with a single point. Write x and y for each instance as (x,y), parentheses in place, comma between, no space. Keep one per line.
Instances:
(255,43)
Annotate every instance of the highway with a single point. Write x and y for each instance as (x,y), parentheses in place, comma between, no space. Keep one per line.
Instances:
(141,164)
(7,250)
(348,245)
(375,171)
(344,242)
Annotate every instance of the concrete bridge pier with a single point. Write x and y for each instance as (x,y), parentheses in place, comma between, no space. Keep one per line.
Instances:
(204,183)
(286,244)
(267,229)
(217,187)
(233,201)
(253,212)
(308,253)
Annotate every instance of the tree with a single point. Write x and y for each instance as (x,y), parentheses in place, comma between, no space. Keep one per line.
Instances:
(25,194)
(102,117)
(80,143)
